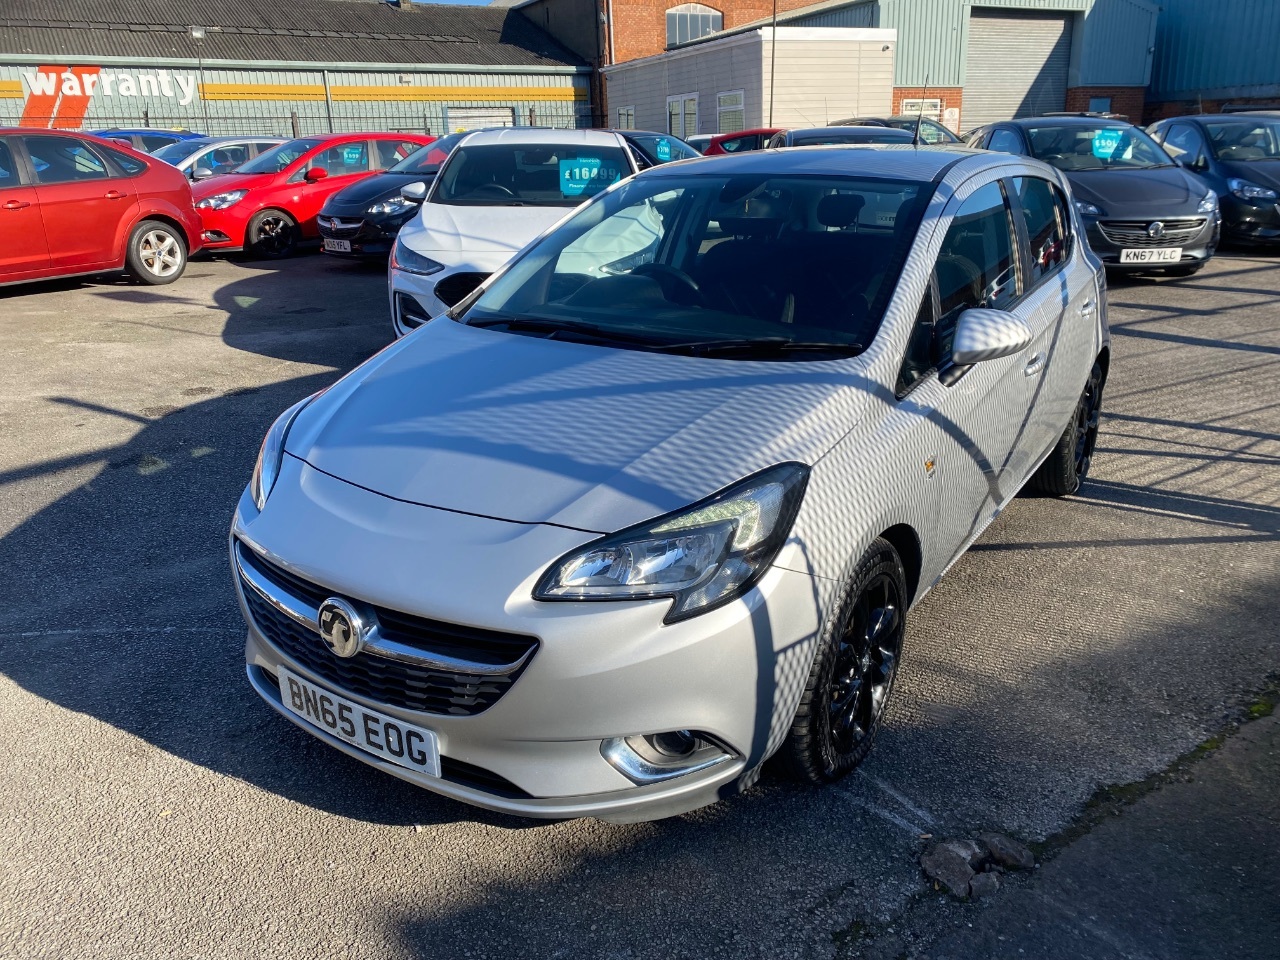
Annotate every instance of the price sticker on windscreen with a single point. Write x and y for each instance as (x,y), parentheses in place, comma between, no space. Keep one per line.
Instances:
(586,176)
(1105,143)
(663,150)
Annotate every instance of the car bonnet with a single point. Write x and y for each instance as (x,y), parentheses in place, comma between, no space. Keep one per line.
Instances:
(1154,191)
(444,227)
(532,430)
(1265,173)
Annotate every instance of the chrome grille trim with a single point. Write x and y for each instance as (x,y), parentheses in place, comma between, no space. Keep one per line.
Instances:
(1134,232)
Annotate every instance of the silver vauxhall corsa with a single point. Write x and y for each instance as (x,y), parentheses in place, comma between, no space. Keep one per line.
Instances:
(650,507)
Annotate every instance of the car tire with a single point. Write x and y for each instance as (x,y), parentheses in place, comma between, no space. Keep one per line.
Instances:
(271,235)
(852,676)
(156,254)
(1067,466)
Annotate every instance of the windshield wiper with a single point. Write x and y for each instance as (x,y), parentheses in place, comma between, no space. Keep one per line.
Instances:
(766,346)
(552,326)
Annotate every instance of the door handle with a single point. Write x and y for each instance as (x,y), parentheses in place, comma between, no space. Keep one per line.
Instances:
(115,195)
(1034,365)
(1087,308)
(16,205)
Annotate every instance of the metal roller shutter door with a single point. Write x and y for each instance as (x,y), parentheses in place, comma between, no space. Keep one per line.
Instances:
(1017,65)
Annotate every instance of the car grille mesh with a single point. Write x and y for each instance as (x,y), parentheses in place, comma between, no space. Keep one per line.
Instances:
(1133,233)
(455,287)
(383,679)
(340,228)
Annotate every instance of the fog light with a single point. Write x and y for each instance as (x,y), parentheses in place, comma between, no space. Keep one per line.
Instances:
(654,757)
(411,312)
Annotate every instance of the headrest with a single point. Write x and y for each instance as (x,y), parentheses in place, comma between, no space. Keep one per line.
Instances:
(839,210)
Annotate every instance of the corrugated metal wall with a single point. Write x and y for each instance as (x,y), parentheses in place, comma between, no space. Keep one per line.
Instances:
(1217,48)
(1017,64)
(863,14)
(247,100)
(1111,47)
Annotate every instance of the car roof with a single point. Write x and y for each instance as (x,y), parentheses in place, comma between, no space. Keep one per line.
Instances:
(243,138)
(896,161)
(1244,115)
(852,132)
(747,133)
(1061,121)
(514,135)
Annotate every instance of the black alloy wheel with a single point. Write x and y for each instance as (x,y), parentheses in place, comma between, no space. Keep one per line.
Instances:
(272,235)
(1088,413)
(844,700)
(1067,466)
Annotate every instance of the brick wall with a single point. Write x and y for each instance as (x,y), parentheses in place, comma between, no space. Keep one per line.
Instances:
(640,26)
(1183,108)
(950,97)
(1129,101)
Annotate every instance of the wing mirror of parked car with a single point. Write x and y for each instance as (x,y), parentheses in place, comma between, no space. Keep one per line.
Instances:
(983,334)
(414,192)
(315,173)
(201,173)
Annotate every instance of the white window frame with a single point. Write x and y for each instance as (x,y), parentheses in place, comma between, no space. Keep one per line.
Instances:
(627,118)
(740,108)
(682,99)
(932,108)
(691,10)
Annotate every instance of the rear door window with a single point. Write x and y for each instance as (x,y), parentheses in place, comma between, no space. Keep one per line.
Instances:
(152,142)
(64,160)
(8,168)
(1046,223)
(391,152)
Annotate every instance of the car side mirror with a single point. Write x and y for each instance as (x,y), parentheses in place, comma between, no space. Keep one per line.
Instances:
(414,192)
(314,174)
(983,334)
(201,173)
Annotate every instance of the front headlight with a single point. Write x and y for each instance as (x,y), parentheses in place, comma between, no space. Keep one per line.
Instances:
(391,206)
(402,258)
(701,556)
(1209,204)
(1088,209)
(1250,191)
(220,201)
(271,455)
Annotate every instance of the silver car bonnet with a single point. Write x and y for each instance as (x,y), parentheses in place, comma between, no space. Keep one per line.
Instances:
(537,431)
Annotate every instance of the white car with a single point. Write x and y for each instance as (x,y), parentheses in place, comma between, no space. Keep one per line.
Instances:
(622,528)
(498,190)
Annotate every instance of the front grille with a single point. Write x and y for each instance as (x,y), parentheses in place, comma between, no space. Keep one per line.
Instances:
(1133,233)
(338,228)
(454,288)
(383,679)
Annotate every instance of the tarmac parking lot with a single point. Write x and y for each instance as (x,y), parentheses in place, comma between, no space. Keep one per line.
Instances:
(153,806)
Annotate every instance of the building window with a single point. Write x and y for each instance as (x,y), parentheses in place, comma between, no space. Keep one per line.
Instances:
(626,118)
(1099,104)
(930,108)
(682,115)
(731,116)
(689,21)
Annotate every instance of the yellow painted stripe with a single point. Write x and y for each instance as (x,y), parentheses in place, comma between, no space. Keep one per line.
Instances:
(458,93)
(260,91)
(10,89)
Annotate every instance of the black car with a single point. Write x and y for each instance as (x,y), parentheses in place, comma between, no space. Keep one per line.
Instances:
(655,148)
(363,219)
(1238,154)
(1142,211)
(827,136)
(931,131)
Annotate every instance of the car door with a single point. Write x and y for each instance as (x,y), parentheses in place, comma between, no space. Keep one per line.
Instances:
(969,418)
(83,200)
(24,252)
(344,163)
(1059,307)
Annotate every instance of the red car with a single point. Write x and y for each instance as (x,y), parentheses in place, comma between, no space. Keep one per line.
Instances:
(266,206)
(741,141)
(74,204)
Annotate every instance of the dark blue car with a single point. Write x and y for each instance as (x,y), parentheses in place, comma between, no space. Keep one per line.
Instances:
(1238,154)
(146,139)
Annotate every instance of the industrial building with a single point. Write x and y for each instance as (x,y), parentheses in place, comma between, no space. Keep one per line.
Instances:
(294,67)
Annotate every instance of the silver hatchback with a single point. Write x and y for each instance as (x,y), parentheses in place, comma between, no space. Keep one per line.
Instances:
(651,506)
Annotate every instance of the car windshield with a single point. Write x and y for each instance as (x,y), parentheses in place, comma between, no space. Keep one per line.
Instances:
(1106,146)
(177,152)
(278,157)
(528,174)
(737,266)
(1245,139)
(429,158)
(836,136)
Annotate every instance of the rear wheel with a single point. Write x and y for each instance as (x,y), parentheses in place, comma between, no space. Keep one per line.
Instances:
(1068,465)
(852,675)
(157,253)
(271,235)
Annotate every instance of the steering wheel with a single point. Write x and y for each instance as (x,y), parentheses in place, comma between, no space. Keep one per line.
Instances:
(492,188)
(677,286)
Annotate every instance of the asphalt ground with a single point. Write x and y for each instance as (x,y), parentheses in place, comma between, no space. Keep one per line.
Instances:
(150,805)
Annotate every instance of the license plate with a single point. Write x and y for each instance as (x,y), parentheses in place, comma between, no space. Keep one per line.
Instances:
(1152,255)
(337,246)
(385,737)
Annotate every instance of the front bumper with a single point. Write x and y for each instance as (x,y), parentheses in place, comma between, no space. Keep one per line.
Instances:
(369,239)
(1247,222)
(600,671)
(429,296)
(1197,235)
